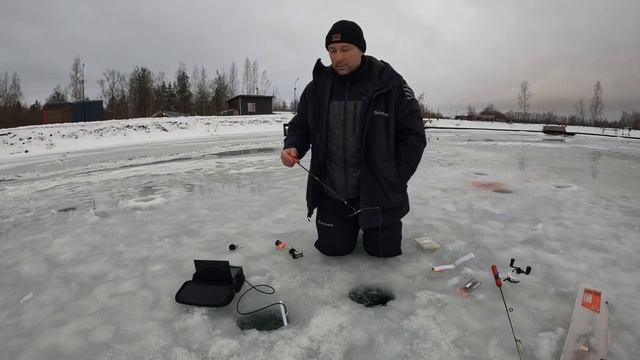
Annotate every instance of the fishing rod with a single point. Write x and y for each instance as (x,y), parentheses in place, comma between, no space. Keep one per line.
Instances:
(496,276)
(355,211)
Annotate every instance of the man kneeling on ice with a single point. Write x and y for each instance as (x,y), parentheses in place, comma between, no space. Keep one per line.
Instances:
(364,126)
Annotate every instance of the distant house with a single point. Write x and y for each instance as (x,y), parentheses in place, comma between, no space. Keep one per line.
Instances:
(251,104)
(76,111)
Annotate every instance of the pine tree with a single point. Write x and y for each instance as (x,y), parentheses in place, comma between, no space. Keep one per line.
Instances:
(160,97)
(141,92)
(183,92)
(35,106)
(58,95)
(220,92)
(171,97)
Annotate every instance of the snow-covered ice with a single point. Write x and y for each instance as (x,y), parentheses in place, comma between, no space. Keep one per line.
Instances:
(99,232)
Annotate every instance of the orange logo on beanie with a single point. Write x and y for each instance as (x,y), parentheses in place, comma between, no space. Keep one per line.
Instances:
(336,37)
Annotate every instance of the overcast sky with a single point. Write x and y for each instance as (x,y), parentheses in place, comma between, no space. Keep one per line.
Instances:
(456,52)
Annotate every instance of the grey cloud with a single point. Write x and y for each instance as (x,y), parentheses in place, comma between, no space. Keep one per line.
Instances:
(457,53)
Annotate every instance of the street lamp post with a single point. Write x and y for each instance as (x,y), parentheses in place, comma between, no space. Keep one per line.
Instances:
(295,103)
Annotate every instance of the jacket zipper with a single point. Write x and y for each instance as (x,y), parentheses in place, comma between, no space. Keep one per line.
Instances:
(344,138)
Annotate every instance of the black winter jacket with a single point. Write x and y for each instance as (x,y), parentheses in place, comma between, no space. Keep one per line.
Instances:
(393,140)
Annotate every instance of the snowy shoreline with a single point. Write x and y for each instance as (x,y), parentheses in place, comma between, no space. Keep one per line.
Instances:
(28,141)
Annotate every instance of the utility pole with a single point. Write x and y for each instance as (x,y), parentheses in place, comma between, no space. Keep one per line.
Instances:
(295,105)
(84,111)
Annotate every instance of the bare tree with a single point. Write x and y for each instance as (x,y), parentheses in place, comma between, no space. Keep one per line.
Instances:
(265,83)
(4,88)
(255,70)
(232,80)
(524,96)
(14,94)
(202,93)
(471,110)
(579,106)
(76,78)
(111,85)
(246,77)
(597,104)
(424,108)
(195,79)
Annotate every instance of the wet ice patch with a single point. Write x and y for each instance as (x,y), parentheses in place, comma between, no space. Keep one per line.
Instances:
(503,191)
(565,186)
(488,185)
(245,152)
(143,203)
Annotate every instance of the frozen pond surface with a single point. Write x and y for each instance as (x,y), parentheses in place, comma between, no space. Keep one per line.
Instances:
(94,245)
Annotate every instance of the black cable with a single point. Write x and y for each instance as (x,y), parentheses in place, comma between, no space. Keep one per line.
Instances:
(270,291)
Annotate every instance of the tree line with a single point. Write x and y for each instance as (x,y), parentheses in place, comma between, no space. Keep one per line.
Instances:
(593,116)
(141,93)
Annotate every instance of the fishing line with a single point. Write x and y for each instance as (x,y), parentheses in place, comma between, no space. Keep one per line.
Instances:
(355,211)
(328,188)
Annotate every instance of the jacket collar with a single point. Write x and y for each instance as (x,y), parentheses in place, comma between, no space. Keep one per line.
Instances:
(382,74)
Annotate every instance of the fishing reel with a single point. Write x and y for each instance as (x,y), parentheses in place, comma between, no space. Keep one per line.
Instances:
(295,254)
(516,270)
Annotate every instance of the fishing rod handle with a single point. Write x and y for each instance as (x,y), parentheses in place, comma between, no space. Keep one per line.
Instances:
(496,275)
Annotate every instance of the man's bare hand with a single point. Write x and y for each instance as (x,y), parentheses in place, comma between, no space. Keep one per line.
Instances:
(289,157)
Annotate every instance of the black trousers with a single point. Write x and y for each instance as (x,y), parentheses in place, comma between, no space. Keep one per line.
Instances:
(338,231)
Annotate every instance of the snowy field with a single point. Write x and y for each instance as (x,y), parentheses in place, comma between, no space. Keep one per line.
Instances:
(100,223)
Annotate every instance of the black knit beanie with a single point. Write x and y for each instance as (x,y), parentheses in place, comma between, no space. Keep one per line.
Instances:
(348,32)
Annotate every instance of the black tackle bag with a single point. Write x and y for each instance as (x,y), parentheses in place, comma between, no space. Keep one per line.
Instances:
(214,284)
